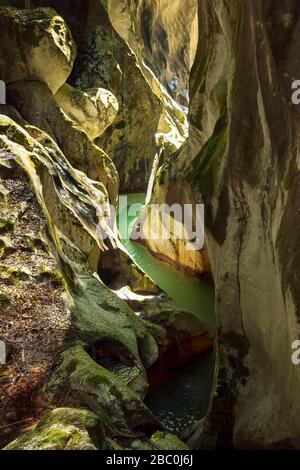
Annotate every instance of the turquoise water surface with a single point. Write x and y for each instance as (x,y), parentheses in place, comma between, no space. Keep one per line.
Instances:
(182,399)
(196,296)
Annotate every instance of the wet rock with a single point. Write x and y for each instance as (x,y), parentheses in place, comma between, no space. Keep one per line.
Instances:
(31,40)
(180,335)
(165,38)
(93,110)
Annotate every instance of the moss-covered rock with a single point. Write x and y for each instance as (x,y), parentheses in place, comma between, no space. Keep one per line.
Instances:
(98,312)
(35,45)
(63,429)
(166,441)
(15,274)
(103,392)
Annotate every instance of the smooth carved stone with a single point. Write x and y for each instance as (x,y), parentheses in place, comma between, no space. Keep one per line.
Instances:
(93,110)
(35,45)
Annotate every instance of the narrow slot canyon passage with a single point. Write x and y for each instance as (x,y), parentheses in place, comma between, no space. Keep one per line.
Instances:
(136,350)
(149,222)
(181,379)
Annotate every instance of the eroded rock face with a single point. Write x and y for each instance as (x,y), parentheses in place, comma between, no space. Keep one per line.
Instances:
(167,233)
(247,174)
(32,298)
(37,105)
(147,115)
(30,40)
(107,348)
(98,314)
(92,110)
(105,60)
(148,118)
(164,36)
(241,161)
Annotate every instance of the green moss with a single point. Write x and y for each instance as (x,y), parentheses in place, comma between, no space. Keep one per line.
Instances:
(63,428)
(14,273)
(5,244)
(6,225)
(47,274)
(107,394)
(14,132)
(20,272)
(4,300)
(132,8)
(166,441)
(205,166)
(98,379)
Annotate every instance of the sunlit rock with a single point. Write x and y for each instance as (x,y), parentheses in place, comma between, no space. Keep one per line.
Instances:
(37,105)
(92,110)
(35,45)
(63,429)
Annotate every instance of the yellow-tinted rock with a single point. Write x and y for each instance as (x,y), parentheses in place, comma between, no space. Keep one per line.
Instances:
(35,45)
(93,110)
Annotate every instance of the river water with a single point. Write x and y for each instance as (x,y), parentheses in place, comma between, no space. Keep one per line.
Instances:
(183,398)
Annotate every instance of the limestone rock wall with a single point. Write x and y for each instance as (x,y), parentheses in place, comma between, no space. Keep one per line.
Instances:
(98,348)
(163,33)
(30,39)
(241,161)
(247,173)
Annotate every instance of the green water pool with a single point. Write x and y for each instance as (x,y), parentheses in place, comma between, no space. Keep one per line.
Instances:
(196,296)
(183,398)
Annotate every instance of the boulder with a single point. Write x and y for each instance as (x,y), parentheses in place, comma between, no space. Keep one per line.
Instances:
(35,45)
(93,110)
(101,390)
(63,429)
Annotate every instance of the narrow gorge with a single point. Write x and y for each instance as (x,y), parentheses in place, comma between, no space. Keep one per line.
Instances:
(113,111)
